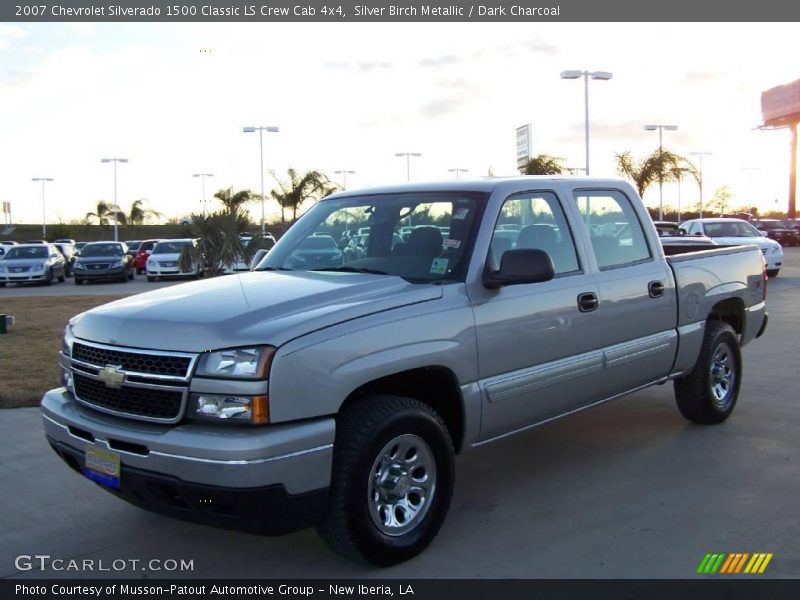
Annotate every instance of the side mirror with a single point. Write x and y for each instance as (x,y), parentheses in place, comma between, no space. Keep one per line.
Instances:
(523,265)
(682,231)
(698,233)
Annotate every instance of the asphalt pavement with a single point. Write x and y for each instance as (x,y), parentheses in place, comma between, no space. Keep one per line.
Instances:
(626,490)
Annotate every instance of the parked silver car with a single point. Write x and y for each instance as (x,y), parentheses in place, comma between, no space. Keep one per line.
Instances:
(32,263)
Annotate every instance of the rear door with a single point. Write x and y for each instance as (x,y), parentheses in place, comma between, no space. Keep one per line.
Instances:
(637,302)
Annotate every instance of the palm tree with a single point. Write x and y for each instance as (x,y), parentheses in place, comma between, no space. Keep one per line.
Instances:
(661,165)
(139,214)
(233,201)
(543,164)
(220,245)
(312,185)
(105,213)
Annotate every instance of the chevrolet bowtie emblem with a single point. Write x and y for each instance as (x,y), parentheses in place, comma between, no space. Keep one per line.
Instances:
(112,376)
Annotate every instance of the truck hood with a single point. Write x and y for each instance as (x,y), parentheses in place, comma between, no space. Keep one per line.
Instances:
(251,308)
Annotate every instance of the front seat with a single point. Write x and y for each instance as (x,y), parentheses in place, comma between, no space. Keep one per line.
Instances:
(423,241)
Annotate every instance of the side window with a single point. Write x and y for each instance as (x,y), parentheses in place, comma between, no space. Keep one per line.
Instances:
(535,220)
(614,229)
(693,228)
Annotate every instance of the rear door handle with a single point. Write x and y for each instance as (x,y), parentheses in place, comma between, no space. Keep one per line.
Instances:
(587,302)
(656,289)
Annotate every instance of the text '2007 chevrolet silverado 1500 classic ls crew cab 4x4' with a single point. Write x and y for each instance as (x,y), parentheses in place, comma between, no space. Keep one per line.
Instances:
(336,393)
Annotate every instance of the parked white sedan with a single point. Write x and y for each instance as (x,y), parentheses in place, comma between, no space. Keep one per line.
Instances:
(727,232)
(164,261)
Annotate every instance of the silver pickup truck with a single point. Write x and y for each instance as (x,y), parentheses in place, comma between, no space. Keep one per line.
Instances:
(333,389)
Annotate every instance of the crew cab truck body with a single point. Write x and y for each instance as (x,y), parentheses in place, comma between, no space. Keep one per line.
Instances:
(337,396)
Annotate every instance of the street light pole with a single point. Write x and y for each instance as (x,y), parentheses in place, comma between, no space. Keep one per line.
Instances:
(261,130)
(660,129)
(700,169)
(202,177)
(44,215)
(344,175)
(408,156)
(749,171)
(115,208)
(457,171)
(599,75)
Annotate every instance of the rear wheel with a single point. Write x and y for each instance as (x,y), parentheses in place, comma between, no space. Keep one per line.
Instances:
(392,480)
(708,394)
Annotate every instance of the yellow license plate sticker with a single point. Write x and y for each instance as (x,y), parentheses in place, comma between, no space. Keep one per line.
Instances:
(102,466)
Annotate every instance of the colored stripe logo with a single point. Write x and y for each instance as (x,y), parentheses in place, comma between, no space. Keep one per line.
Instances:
(737,562)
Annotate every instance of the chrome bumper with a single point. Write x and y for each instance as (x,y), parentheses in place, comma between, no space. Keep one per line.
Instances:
(297,456)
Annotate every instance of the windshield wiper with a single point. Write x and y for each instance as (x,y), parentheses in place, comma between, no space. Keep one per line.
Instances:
(348,269)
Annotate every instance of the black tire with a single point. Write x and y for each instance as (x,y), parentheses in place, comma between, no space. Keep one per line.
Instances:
(78,281)
(708,394)
(150,279)
(2,284)
(139,271)
(390,427)
(63,277)
(131,275)
(124,278)
(772,273)
(49,279)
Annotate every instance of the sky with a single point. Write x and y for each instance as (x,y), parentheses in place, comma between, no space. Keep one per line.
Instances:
(173,98)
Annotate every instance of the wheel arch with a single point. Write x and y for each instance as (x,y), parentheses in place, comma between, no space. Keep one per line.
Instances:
(730,311)
(436,386)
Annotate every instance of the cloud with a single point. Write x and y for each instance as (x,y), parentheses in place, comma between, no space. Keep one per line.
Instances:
(10,34)
(440,61)
(698,77)
(538,46)
(440,107)
(361,66)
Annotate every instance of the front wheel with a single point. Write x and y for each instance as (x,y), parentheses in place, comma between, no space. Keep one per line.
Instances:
(709,393)
(772,273)
(392,480)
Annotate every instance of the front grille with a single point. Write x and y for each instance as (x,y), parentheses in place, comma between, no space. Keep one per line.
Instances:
(153,404)
(153,364)
(168,264)
(97,266)
(19,269)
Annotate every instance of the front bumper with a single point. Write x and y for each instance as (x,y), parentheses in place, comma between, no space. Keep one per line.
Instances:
(99,273)
(23,277)
(168,272)
(218,475)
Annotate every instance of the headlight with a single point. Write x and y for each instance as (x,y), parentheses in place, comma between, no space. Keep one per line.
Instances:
(244,363)
(66,342)
(151,263)
(78,266)
(2,269)
(116,264)
(40,267)
(235,409)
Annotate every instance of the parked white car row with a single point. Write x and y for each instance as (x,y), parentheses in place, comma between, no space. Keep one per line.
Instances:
(727,231)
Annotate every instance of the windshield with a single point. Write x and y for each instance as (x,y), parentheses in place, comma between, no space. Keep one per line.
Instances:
(30,252)
(424,236)
(731,229)
(169,247)
(90,250)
